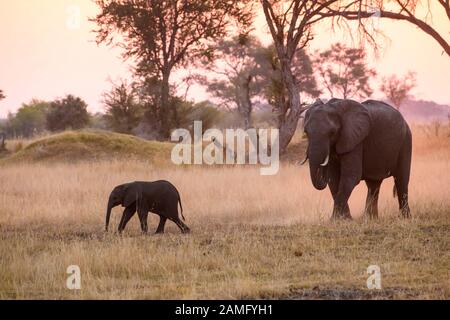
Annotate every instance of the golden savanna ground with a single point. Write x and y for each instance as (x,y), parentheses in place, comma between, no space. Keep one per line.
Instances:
(252,236)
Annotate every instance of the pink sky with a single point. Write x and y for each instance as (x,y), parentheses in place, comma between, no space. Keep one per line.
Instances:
(43,56)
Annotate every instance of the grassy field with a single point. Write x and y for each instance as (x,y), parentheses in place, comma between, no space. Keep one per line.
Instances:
(252,236)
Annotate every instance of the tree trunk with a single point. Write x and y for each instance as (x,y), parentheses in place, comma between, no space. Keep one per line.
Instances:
(289,125)
(246,102)
(284,51)
(164,109)
(3,145)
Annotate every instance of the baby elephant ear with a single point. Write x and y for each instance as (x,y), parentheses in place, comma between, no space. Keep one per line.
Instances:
(355,124)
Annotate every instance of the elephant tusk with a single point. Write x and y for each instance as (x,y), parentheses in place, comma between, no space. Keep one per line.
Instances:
(304,161)
(326,161)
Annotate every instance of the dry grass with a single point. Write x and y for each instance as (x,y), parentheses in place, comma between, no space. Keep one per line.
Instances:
(253,236)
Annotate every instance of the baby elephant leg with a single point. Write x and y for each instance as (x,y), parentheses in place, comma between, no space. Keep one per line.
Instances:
(162,223)
(143,216)
(127,215)
(183,227)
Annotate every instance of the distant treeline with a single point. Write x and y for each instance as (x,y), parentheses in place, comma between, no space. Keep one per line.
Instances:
(40,117)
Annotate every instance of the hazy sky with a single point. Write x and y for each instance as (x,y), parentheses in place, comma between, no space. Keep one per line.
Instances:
(46,53)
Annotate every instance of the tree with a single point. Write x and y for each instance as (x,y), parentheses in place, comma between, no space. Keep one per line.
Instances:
(149,96)
(67,113)
(98,121)
(290,24)
(2,96)
(203,111)
(162,36)
(344,71)
(123,111)
(234,71)
(29,120)
(245,71)
(402,10)
(397,89)
(273,87)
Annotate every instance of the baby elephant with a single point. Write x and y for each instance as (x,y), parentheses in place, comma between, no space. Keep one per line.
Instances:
(160,197)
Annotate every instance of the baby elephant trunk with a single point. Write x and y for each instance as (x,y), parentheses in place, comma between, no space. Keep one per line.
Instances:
(108,214)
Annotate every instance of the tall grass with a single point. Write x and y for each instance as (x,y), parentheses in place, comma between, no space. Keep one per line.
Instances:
(61,192)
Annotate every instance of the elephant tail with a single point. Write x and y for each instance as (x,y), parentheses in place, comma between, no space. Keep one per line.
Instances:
(181,207)
(394,191)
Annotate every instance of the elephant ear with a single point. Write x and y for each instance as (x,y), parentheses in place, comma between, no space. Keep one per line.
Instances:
(131,194)
(355,124)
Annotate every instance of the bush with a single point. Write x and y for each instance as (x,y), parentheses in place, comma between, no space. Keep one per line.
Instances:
(68,113)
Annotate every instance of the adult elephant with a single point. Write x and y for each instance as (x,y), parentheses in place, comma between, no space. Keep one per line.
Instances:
(349,142)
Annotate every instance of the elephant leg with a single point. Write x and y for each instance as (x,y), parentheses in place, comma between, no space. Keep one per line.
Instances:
(144,226)
(162,223)
(402,193)
(127,215)
(401,178)
(143,216)
(171,212)
(333,185)
(341,210)
(350,175)
(373,187)
(183,227)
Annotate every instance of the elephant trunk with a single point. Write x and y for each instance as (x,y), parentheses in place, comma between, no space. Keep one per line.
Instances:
(319,176)
(318,166)
(108,213)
